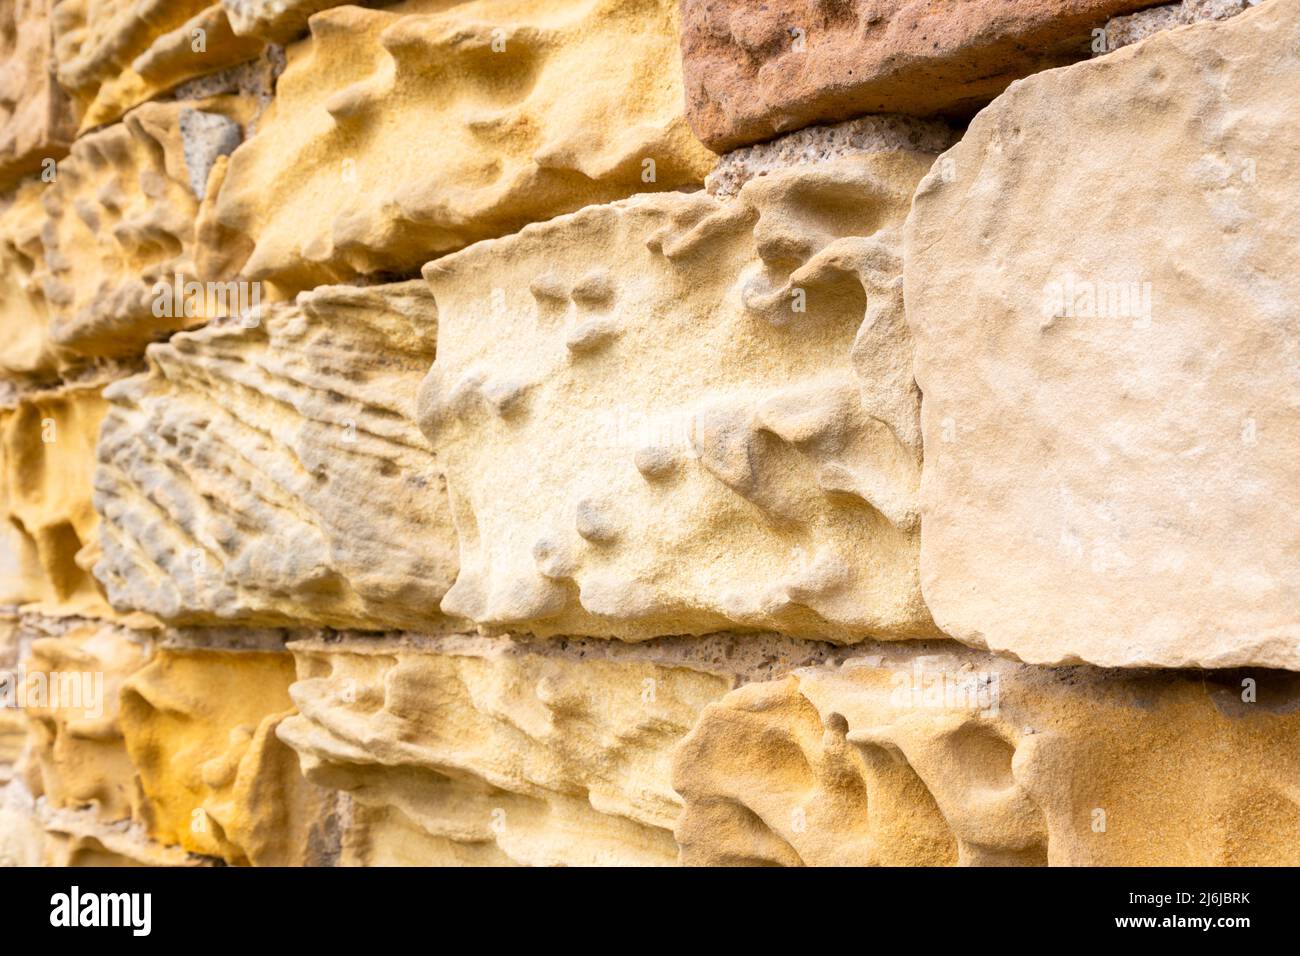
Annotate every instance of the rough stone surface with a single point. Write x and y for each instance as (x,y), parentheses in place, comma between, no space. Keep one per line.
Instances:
(278,20)
(1112,410)
(200,727)
(50,532)
(867,134)
(729,389)
(36,121)
(1122,31)
(401,133)
(121,225)
(79,757)
(475,750)
(13,726)
(957,757)
(26,350)
(754,71)
(275,473)
(112,55)
(79,838)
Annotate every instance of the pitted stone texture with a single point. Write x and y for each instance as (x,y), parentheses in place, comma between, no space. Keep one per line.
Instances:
(49,538)
(27,352)
(112,55)
(200,728)
(401,133)
(36,121)
(477,751)
(753,71)
(1124,30)
(676,415)
(279,20)
(78,755)
(121,226)
(958,757)
(868,134)
(1112,410)
(275,474)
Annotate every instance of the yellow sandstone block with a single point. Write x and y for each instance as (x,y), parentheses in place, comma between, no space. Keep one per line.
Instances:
(955,756)
(112,55)
(78,755)
(200,727)
(404,132)
(51,533)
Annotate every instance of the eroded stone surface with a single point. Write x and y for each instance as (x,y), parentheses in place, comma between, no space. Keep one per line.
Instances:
(953,756)
(78,755)
(26,349)
(1112,410)
(275,473)
(13,726)
(405,132)
(22,839)
(112,55)
(80,838)
(674,415)
(754,71)
(121,227)
(47,447)
(467,750)
(36,121)
(1122,31)
(200,728)
(279,20)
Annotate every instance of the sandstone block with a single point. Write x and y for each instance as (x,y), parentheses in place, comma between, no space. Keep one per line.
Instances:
(1112,409)
(752,72)
(78,755)
(472,750)
(47,458)
(112,55)
(27,351)
(398,134)
(200,728)
(36,121)
(79,838)
(120,235)
(275,473)
(675,414)
(952,756)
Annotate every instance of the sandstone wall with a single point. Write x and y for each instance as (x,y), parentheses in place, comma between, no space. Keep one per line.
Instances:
(616,432)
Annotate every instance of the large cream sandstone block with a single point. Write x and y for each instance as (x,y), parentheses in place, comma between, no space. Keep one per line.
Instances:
(274,473)
(934,755)
(49,537)
(1101,282)
(404,132)
(112,55)
(78,757)
(36,121)
(676,414)
(755,70)
(491,751)
(200,725)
